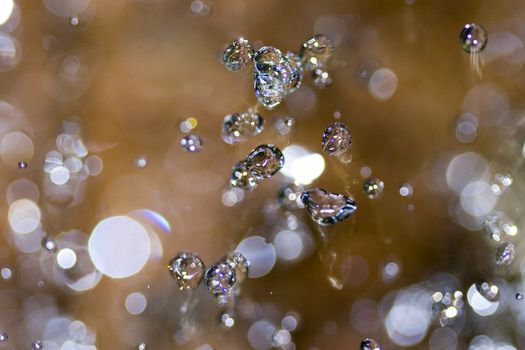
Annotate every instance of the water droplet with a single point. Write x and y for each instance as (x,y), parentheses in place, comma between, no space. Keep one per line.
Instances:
(265,160)
(406,190)
(37,345)
(240,264)
(191,143)
(473,38)
(501,183)
(519,296)
(22,165)
(49,244)
(505,253)
(141,346)
(220,278)
(242,177)
(3,337)
(141,162)
(74,21)
(327,208)
(274,76)
(336,139)
(373,187)
(187,269)
(239,126)
(290,197)
(316,51)
(499,226)
(369,344)
(488,291)
(6,273)
(297,71)
(321,78)
(238,54)
(284,125)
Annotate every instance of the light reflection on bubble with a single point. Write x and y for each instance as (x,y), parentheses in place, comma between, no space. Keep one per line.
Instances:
(301,165)
(24,216)
(477,198)
(260,254)
(480,304)
(383,84)
(16,146)
(119,246)
(408,319)
(136,303)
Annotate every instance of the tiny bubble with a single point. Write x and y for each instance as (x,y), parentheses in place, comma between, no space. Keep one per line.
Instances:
(22,165)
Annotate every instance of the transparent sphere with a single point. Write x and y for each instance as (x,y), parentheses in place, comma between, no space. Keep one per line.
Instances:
(505,253)
(187,269)
(238,127)
(316,51)
(369,344)
(321,78)
(243,178)
(191,143)
(240,264)
(373,187)
(473,38)
(238,54)
(220,278)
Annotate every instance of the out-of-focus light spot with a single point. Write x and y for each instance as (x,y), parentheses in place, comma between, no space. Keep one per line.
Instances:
(10,52)
(479,303)
(477,198)
(66,8)
(408,319)
(302,101)
(488,102)
(465,168)
(152,218)
(232,196)
(60,175)
(16,146)
(288,245)
(22,189)
(466,128)
(260,335)
(94,165)
(66,258)
(260,254)
(364,316)
(73,164)
(301,165)
(289,322)
(6,273)
(390,271)
(23,216)
(6,9)
(504,54)
(188,125)
(119,246)
(406,190)
(332,26)
(383,84)
(365,172)
(136,303)
(443,339)
(141,162)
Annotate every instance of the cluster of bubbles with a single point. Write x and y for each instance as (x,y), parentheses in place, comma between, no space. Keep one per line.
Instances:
(220,278)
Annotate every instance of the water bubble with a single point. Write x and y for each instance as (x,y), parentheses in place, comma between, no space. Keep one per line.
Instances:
(497,225)
(501,183)
(22,165)
(290,197)
(238,54)
(316,51)
(191,143)
(505,253)
(284,125)
(269,90)
(265,160)
(49,244)
(281,337)
(488,291)
(473,38)
(220,278)
(373,187)
(406,190)
(74,21)
(321,78)
(37,345)
(519,296)
(3,337)
(238,127)
(327,208)
(369,344)
(242,177)
(187,269)
(240,264)
(297,71)
(336,139)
